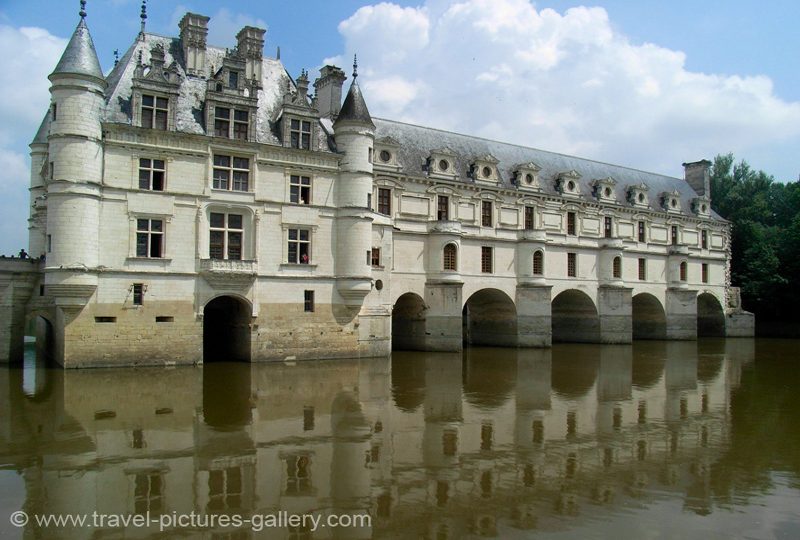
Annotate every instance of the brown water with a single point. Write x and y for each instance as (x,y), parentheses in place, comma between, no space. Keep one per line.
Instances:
(654,440)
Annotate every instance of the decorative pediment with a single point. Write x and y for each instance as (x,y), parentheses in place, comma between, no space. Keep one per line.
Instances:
(567,183)
(671,201)
(604,189)
(526,176)
(488,196)
(702,206)
(637,195)
(442,190)
(484,168)
(156,76)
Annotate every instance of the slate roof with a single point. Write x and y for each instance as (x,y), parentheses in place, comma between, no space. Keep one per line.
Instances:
(354,108)
(417,142)
(80,56)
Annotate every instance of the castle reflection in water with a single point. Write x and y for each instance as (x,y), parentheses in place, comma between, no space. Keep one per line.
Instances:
(433,445)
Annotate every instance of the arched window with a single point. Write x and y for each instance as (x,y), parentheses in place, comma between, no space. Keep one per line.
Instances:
(538,263)
(617,267)
(683,271)
(449,257)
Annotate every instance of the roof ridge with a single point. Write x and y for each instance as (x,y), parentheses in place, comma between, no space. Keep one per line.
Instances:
(440,130)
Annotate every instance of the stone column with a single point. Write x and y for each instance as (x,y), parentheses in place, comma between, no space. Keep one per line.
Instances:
(614,307)
(15,291)
(681,312)
(534,316)
(443,316)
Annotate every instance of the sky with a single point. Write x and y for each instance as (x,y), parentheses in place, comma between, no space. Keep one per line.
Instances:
(644,84)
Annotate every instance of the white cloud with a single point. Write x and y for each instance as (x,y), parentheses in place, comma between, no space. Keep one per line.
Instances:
(566,82)
(29,55)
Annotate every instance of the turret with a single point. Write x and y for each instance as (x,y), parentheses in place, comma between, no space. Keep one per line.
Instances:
(354,134)
(76,157)
(40,171)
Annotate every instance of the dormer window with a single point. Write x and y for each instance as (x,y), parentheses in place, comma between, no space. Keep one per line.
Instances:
(637,195)
(233,79)
(671,201)
(155,111)
(385,156)
(231,123)
(702,206)
(484,168)
(604,190)
(300,134)
(567,183)
(444,165)
(526,175)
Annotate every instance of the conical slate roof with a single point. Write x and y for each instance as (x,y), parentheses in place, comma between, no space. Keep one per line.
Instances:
(44,128)
(354,108)
(80,56)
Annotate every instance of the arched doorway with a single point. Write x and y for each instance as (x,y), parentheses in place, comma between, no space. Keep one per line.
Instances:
(38,358)
(649,319)
(710,316)
(226,330)
(408,323)
(490,318)
(575,318)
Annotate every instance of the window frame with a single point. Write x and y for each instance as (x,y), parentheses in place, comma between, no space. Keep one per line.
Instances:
(298,185)
(683,271)
(487,214)
(641,231)
(704,272)
(150,169)
(308,301)
(616,267)
(375,257)
(608,227)
(538,263)
(487,260)
(297,135)
(572,264)
(137,294)
(642,268)
(231,169)
(703,239)
(673,231)
(150,234)
(442,207)
(572,224)
(385,201)
(298,242)
(227,230)
(450,257)
(153,112)
(528,218)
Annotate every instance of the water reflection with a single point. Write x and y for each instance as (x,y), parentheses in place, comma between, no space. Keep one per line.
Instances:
(432,445)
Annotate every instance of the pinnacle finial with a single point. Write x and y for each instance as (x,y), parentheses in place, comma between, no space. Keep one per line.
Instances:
(116,57)
(143,14)
(355,66)
(82,12)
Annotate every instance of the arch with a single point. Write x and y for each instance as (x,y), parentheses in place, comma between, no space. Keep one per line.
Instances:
(450,257)
(684,271)
(575,318)
(226,329)
(538,262)
(649,317)
(616,267)
(574,370)
(710,316)
(408,381)
(489,318)
(408,323)
(38,358)
(649,359)
(489,377)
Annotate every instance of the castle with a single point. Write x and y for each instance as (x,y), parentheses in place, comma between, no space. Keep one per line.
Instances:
(197,203)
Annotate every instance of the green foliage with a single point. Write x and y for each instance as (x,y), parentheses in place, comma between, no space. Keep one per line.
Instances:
(765,237)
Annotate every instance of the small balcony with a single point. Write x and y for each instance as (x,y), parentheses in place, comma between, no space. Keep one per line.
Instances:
(678,249)
(223,272)
(611,242)
(444,226)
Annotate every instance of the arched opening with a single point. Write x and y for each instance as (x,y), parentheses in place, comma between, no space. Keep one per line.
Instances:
(489,377)
(490,318)
(684,271)
(710,316)
(38,358)
(574,370)
(450,257)
(616,269)
(226,330)
(408,381)
(538,262)
(575,318)
(649,318)
(408,323)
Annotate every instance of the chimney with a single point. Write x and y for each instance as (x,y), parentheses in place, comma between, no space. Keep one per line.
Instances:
(302,87)
(194,31)
(697,176)
(329,91)
(250,44)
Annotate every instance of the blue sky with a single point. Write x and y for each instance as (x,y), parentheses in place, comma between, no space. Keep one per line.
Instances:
(643,84)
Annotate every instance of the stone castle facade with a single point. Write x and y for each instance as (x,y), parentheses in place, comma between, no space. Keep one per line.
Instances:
(197,203)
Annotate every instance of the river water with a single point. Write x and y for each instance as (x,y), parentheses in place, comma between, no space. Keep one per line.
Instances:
(654,440)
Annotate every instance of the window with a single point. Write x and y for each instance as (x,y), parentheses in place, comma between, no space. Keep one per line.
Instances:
(486,213)
(51,170)
(308,410)
(486,260)
(308,301)
(147,493)
(571,223)
(704,269)
(674,235)
(226,118)
(449,442)
(683,271)
(300,189)
(225,488)
(369,201)
(138,294)
(149,238)
(572,265)
(226,236)
(55,112)
(642,269)
(641,231)
(151,174)
(704,239)
(299,246)
(449,256)
(369,155)
(231,173)
(298,475)
(154,112)
(617,267)
(233,79)
(442,208)
(538,262)
(375,257)
(385,201)
(529,218)
(49,243)
(300,134)
(607,222)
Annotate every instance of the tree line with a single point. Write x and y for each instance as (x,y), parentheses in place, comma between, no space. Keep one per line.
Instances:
(765,237)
